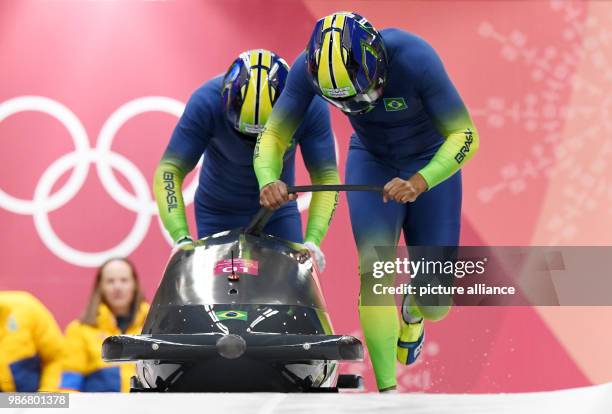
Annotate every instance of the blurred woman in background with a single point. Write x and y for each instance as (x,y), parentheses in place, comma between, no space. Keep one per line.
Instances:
(31,344)
(116,306)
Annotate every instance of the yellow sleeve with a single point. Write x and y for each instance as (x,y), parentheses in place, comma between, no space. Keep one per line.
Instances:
(167,188)
(49,343)
(75,361)
(269,151)
(458,148)
(322,206)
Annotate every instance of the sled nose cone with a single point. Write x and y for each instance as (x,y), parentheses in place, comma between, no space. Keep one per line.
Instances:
(231,346)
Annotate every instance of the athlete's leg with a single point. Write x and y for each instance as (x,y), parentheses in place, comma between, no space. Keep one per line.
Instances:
(216,223)
(286,223)
(374,224)
(434,219)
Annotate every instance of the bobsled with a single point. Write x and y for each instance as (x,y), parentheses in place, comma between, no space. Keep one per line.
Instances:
(238,311)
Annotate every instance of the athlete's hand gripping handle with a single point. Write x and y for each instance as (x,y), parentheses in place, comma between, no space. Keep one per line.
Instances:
(274,195)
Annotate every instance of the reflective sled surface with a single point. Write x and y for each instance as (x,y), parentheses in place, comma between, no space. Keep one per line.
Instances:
(237,312)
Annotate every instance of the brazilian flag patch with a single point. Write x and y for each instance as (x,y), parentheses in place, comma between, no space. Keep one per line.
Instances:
(232,314)
(395,104)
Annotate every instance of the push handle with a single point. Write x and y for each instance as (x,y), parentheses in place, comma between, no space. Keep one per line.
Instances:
(259,221)
(263,215)
(334,187)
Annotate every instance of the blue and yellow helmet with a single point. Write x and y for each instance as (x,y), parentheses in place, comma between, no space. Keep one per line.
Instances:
(251,86)
(347,61)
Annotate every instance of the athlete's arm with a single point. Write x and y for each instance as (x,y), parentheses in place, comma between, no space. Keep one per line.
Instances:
(187,144)
(447,110)
(272,143)
(49,345)
(76,361)
(319,155)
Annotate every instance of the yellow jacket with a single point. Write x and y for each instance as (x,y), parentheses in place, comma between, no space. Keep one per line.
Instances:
(31,345)
(83,367)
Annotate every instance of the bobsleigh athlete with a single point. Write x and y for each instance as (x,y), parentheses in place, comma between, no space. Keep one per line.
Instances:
(412,135)
(221,120)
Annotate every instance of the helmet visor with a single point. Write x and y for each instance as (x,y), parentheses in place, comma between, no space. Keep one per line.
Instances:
(357,104)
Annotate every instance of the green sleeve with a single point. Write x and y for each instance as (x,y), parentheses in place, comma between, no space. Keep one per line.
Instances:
(322,206)
(268,165)
(319,153)
(458,148)
(167,187)
(271,146)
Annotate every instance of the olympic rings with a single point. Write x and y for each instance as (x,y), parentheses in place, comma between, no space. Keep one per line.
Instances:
(44,202)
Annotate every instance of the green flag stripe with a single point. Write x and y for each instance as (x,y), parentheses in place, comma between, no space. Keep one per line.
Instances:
(231,314)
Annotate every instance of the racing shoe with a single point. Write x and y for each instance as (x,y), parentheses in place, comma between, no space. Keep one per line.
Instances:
(410,342)
(412,336)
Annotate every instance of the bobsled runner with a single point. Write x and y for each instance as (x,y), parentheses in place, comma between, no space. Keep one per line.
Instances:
(239,311)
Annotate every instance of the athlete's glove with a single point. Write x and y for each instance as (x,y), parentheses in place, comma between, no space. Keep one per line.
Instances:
(318,255)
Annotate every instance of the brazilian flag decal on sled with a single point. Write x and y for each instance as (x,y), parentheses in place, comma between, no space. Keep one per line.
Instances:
(232,314)
(394,104)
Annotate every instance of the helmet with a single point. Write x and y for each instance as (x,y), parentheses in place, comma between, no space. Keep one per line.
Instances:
(347,62)
(251,86)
